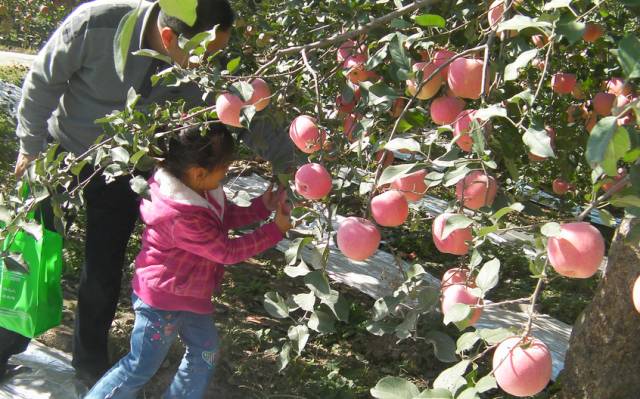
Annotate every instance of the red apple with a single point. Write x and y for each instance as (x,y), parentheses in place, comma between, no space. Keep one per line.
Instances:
(477,189)
(563,83)
(462,294)
(228,109)
(440,57)
(522,368)
(602,103)
(444,110)
(412,185)
(313,181)
(357,238)
(465,78)
(390,209)
(305,134)
(578,251)
(456,276)
(456,242)
(430,88)
(592,32)
(461,129)
(261,94)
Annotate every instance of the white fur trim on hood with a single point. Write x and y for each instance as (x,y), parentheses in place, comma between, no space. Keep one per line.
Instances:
(172,188)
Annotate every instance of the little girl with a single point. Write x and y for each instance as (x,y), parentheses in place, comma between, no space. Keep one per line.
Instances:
(185,246)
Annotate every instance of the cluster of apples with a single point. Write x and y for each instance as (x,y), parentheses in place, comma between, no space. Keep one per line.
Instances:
(616,95)
(462,80)
(522,367)
(229,105)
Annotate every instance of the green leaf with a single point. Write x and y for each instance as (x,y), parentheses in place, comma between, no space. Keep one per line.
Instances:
(492,111)
(242,89)
(385,306)
(455,222)
(305,301)
(428,298)
(458,312)
(629,56)
(551,229)
(299,335)
(430,20)
(525,96)
(538,142)
(489,275)
(153,54)
(453,176)
(293,252)
(376,59)
(379,94)
(483,231)
(119,154)
(380,328)
(520,22)
(394,388)
(511,71)
(398,53)
(438,393)
(284,356)
(122,40)
(233,64)
(469,393)
(398,144)
(553,4)
(443,345)
(571,29)
(140,186)
(247,113)
(317,282)
(275,305)
(624,201)
(466,342)
(494,336)
(184,10)
(201,40)
(298,271)
(451,378)
(486,383)
(5,215)
(322,322)
(394,172)
(338,305)
(607,144)
(515,207)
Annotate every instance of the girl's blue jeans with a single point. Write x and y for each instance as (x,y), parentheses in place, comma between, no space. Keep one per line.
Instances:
(153,333)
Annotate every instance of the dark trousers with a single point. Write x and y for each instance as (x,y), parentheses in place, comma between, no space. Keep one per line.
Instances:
(111,215)
(112,211)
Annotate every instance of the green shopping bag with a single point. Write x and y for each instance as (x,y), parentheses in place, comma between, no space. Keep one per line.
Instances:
(30,290)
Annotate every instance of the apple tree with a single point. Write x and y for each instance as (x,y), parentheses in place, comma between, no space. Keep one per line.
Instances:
(363,107)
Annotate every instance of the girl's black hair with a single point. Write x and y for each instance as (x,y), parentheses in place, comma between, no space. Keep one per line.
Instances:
(208,147)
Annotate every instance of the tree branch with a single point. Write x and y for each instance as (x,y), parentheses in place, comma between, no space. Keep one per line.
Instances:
(365,28)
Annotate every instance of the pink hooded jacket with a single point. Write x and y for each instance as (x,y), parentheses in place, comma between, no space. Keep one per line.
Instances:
(186,244)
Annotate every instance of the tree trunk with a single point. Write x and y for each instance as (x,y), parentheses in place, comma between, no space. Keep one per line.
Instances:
(604,349)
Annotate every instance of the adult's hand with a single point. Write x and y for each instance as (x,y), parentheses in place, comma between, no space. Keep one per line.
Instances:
(22,163)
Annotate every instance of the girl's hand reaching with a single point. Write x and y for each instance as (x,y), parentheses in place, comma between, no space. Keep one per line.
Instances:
(272,199)
(283,217)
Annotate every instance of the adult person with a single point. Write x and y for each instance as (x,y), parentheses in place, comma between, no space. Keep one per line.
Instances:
(73,82)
